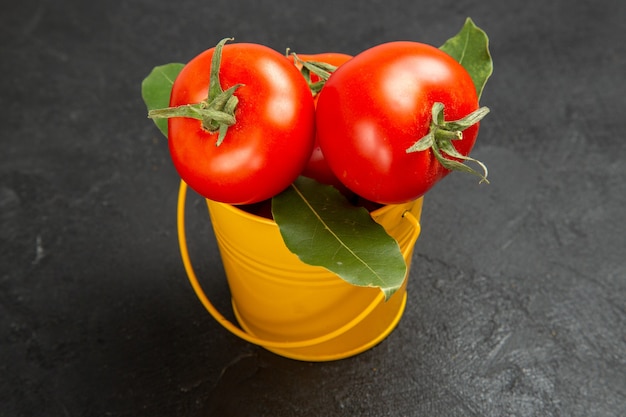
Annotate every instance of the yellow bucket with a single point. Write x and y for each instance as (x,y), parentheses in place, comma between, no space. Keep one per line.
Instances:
(293,309)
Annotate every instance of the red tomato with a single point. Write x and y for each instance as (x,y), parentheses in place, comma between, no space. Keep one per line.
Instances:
(272,139)
(317,167)
(377,105)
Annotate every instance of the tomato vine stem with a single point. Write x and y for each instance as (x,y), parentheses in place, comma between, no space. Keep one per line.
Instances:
(322,69)
(217,111)
(440,136)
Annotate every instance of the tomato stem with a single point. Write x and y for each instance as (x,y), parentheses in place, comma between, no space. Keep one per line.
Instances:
(322,69)
(440,136)
(217,111)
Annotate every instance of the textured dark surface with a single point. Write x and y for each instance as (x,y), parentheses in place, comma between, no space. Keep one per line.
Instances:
(517,296)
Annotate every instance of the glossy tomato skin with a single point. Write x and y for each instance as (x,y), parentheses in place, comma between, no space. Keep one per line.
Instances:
(377,105)
(272,139)
(317,167)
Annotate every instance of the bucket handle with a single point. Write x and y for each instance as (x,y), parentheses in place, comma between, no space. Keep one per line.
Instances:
(237,331)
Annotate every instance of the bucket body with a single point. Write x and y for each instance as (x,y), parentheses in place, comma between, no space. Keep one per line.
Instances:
(279,299)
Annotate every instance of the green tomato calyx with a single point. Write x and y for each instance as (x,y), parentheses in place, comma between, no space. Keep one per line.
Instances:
(440,136)
(217,111)
(321,69)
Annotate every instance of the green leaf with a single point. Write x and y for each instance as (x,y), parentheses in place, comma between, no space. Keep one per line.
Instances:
(322,228)
(470,47)
(156,89)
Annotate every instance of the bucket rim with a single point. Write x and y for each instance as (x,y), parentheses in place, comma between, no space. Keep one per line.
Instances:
(264,220)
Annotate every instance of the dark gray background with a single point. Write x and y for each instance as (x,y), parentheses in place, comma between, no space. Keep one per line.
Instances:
(517,296)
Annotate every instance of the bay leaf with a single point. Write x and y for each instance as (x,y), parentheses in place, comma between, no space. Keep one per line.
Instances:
(323,228)
(156,89)
(470,47)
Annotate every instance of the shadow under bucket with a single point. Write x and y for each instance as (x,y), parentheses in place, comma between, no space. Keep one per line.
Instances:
(291,308)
